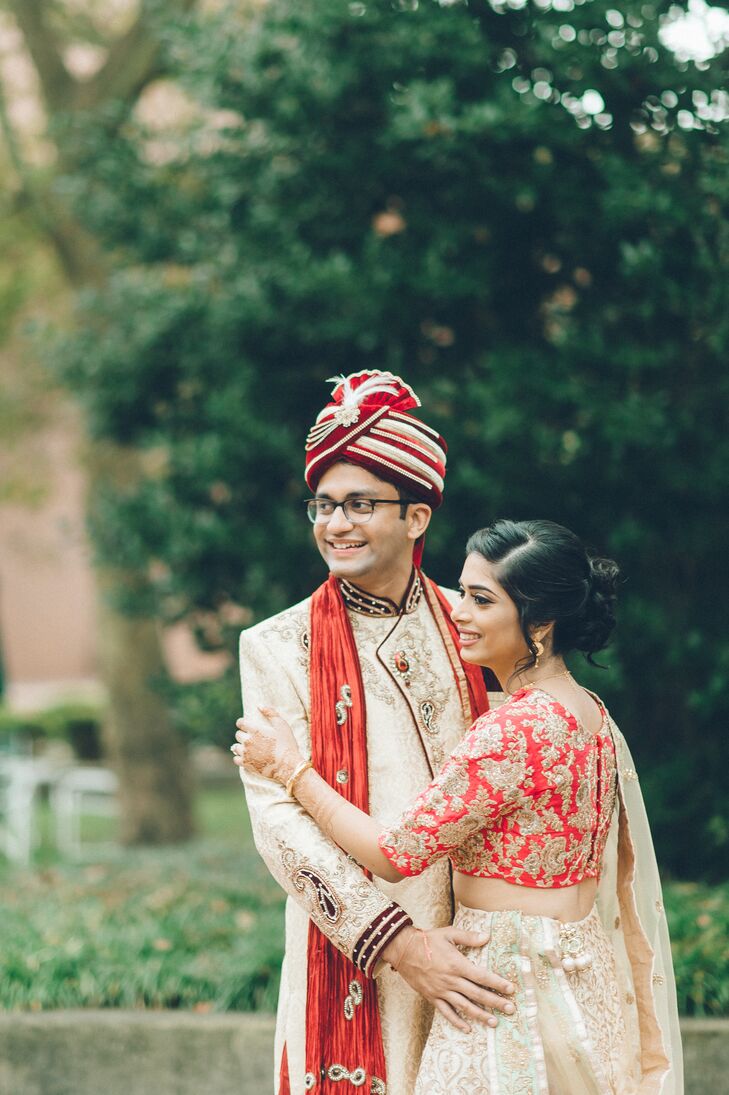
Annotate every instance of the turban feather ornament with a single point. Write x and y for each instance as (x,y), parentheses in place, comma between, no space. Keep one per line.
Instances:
(367,423)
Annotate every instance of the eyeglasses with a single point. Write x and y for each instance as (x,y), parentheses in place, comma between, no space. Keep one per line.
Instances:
(355,510)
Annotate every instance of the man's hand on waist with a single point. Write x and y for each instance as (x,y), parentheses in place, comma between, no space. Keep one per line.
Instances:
(431,963)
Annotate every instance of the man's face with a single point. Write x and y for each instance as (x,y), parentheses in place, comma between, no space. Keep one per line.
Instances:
(373,551)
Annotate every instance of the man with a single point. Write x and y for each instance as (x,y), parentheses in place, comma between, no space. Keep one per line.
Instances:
(367,673)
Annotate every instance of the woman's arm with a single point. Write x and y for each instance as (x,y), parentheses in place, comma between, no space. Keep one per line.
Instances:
(352,829)
(272,751)
(482,780)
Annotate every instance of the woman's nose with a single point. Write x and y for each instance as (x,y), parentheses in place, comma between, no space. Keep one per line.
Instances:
(459,614)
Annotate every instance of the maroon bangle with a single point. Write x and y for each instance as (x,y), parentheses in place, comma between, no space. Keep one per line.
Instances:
(377,935)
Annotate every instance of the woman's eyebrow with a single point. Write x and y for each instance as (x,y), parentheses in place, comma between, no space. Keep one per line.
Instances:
(482,589)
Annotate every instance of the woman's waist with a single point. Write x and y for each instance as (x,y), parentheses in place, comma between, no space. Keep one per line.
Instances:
(514,937)
(566,903)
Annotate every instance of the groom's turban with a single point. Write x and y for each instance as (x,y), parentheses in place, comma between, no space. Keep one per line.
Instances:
(367,423)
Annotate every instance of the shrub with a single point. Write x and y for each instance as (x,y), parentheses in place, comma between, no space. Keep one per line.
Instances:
(201,927)
(76,723)
(195,927)
(698,917)
(205,711)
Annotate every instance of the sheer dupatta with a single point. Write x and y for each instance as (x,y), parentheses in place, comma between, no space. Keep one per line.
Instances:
(630,904)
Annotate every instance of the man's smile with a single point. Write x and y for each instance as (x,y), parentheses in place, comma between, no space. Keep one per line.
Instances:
(345,545)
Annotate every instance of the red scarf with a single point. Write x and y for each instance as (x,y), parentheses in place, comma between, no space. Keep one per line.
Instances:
(354,1044)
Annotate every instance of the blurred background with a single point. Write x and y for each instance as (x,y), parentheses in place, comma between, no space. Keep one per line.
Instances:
(208,208)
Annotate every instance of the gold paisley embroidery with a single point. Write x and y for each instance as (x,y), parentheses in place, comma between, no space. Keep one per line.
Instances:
(330,904)
(292,628)
(357,898)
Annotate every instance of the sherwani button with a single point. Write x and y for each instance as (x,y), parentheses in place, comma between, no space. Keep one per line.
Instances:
(401,662)
(342,775)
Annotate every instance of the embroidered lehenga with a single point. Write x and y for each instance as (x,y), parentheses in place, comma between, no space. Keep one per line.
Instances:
(531,797)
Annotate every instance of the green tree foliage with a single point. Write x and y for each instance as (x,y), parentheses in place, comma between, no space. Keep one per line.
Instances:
(37,221)
(521,209)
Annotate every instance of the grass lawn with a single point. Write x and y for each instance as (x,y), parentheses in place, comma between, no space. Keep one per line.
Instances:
(196,926)
(200,926)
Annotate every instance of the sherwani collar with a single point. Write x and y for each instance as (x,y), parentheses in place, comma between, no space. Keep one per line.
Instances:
(357,600)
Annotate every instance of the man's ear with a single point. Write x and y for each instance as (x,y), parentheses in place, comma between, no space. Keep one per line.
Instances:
(418,518)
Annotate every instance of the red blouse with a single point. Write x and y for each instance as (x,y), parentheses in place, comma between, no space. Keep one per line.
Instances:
(527,796)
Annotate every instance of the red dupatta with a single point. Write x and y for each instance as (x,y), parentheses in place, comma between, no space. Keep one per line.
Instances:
(345,1041)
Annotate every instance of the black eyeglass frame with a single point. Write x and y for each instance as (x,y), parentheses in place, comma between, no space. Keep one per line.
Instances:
(311,503)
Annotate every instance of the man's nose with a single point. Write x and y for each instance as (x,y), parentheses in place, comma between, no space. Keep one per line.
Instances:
(339,522)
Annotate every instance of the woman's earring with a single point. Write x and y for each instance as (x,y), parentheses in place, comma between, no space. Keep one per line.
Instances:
(539,648)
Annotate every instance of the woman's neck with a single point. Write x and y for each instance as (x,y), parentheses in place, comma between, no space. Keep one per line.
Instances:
(534,676)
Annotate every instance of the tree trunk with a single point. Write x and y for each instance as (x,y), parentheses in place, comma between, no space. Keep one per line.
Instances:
(151,760)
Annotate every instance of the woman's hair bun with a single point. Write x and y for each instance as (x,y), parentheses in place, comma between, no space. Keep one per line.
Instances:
(593,625)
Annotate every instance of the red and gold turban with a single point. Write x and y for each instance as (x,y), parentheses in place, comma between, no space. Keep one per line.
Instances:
(367,424)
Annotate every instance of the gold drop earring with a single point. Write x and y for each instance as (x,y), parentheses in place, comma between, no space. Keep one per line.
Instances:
(539,648)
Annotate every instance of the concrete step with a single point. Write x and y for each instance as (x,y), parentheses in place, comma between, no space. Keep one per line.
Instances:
(183,1053)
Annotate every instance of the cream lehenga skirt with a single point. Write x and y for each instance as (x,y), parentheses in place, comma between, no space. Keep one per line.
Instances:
(573,1031)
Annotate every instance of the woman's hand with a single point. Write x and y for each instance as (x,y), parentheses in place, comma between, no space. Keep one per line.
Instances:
(268,748)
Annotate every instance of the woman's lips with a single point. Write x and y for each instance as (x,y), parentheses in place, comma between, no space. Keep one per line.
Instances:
(468,638)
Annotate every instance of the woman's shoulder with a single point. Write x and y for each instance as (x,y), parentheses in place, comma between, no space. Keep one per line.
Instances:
(520,706)
(515,718)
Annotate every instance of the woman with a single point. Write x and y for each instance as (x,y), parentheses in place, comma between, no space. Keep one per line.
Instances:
(540,813)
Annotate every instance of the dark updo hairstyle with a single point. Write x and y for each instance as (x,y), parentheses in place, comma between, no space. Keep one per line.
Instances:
(549,576)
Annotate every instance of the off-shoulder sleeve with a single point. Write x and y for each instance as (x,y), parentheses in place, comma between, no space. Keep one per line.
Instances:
(486,777)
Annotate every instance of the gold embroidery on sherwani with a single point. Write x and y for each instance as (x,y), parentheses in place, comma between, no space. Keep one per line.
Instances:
(327,895)
(359,601)
(275,672)
(423,685)
(292,628)
(329,904)
(426,692)
(375,683)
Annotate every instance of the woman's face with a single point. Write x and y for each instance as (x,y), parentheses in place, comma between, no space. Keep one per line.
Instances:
(487,620)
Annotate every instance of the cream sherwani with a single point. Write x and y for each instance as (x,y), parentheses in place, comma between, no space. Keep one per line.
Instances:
(414,719)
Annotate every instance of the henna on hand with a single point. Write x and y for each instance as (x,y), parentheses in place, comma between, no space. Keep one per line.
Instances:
(326,811)
(270,749)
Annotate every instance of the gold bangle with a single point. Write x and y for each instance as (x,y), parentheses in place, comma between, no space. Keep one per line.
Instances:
(298,770)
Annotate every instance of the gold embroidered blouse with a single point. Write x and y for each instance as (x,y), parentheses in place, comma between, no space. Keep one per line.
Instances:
(527,797)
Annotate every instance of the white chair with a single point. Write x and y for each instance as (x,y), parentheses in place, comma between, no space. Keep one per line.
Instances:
(77,792)
(20,780)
